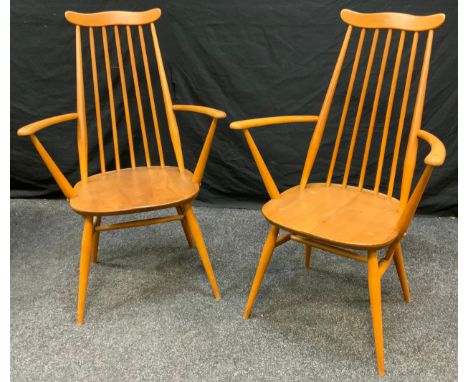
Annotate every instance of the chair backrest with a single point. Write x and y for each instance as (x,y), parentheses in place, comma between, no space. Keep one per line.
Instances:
(377,25)
(121,26)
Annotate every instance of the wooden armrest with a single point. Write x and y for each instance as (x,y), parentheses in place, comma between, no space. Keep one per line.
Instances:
(437,155)
(209,111)
(257,122)
(34,127)
(213,113)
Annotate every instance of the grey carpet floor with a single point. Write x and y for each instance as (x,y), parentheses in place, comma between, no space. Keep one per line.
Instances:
(151,315)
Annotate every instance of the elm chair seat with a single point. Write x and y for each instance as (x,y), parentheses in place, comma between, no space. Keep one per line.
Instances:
(329,214)
(134,190)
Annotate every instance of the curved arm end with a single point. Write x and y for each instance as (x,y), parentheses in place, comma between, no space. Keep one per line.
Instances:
(437,155)
(34,127)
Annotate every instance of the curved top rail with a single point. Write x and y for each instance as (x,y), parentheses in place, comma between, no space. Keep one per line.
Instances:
(390,20)
(102,19)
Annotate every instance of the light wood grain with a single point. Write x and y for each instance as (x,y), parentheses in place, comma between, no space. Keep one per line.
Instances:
(347,216)
(392,20)
(125,190)
(113,18)
(34,127)
(133,190)
(334,217)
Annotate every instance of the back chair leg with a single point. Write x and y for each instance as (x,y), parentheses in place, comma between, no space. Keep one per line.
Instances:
(194,228)
(400,266)
(86,244)
(308,253)
(376,307)
(185,227)
(261,269)
(95,241)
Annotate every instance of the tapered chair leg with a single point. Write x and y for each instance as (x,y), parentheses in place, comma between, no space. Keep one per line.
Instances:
(95,242)
(376,307)
(194,228)
(86,243)
(185,227)
(307,254)
(400,267)
(261,268)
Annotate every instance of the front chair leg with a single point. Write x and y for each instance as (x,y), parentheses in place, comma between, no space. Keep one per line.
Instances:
(261,269)
(84,266)
(185,227)
(400,266)
(376,307)
(95,241)
(307,255)
(194,228)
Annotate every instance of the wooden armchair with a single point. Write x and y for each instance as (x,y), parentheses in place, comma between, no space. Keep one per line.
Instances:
(139,188)
(339,217)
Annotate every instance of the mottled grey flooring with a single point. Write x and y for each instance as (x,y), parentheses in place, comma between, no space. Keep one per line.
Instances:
(151,314)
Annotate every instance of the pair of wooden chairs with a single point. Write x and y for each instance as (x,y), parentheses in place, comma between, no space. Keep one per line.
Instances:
(333,216)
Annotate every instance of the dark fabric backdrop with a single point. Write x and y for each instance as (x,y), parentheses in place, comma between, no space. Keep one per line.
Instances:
(249,58)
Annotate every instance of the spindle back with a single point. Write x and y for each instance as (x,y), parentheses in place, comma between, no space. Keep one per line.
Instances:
(128,28)
(394,28)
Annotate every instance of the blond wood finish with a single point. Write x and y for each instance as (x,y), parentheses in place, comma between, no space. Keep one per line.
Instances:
(374,108)
(390,20)
(322,119)
(363,98)
(125,97)
(200,244)
(268,121)
(261,269)
(138,96)
(270,184)
(346,104)
(389,111)
(266,176)
(61,180)
(401,121)
(411,151)
(400,267)
(376,308)
(82,133)
(171,120)
(335,217)
(213,113)
(436,156)
(185,227)
(325,212)
(149,86)
(35,127)
(113,18)
(330,248)
(110,89)
(134,189)
(97,103)
(86,247)
(203,158)
(139,223)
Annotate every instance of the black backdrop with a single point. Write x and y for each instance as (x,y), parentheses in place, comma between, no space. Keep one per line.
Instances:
(250,58)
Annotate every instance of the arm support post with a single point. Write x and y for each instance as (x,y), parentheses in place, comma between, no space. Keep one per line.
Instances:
(435,158)
(30,130)
(203,158)
(247,124)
